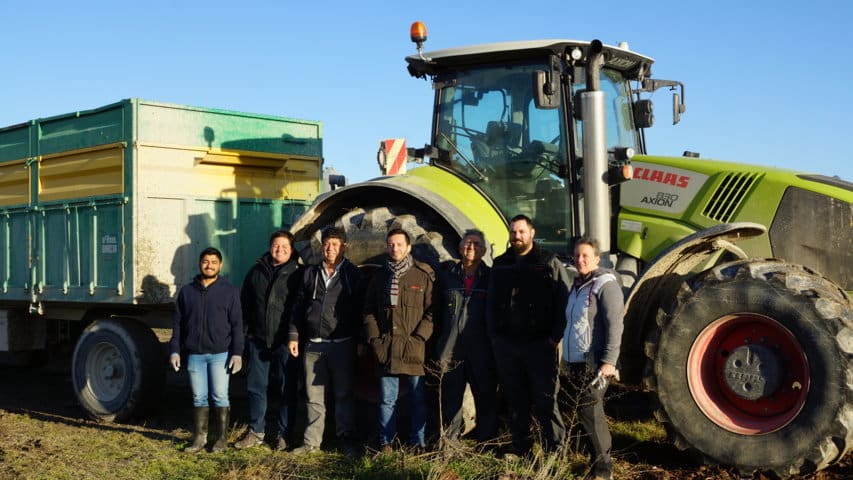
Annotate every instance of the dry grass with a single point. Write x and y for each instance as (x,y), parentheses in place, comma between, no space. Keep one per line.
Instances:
(44,435)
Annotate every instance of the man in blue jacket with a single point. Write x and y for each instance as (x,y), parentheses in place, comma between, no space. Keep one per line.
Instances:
(208,327)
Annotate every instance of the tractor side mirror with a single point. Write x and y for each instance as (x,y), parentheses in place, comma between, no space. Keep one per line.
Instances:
(546,89)
(678,108)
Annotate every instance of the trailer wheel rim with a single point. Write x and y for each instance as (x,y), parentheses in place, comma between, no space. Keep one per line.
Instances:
(105,369)
(710,378)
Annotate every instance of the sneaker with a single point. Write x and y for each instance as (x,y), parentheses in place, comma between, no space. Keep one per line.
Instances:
(305,450)
(250,439)
(280,443)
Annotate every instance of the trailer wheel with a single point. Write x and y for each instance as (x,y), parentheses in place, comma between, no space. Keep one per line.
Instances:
(117,369)
(751,367)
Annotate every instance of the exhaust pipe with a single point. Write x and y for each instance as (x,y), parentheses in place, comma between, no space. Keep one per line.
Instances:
(595,59)
(596,188)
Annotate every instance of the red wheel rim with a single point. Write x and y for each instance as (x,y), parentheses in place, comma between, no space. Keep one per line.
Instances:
(711,392)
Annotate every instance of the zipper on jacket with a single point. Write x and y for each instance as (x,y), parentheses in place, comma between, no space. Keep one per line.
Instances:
(203,321)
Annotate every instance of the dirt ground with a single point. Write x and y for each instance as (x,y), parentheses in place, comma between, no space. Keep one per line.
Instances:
(45,394)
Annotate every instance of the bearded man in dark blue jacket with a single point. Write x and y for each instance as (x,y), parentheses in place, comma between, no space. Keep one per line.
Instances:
(525,317)
(208,327)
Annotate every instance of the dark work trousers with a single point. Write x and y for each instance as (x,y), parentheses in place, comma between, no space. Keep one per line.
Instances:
(329,364)
(266,372)
(478,370)
(588,402)
(528,375)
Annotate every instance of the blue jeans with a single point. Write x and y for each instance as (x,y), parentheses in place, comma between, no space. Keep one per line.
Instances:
(208,373)
(265,372)
(389,388)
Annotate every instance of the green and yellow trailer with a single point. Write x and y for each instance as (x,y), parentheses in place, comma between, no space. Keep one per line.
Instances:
(103,214)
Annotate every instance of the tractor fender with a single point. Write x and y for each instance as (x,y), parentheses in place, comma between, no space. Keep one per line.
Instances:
(392,191)
(433,193)
(660,280)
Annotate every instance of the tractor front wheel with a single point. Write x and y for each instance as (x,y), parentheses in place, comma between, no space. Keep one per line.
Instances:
(751,367)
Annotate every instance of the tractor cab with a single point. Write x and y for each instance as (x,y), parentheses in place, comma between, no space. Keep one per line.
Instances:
(507,119)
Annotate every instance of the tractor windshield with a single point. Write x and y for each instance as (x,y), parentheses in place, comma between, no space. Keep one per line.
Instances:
(489,131)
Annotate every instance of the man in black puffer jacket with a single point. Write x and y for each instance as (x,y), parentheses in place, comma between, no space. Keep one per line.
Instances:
(264,298)
(525,317)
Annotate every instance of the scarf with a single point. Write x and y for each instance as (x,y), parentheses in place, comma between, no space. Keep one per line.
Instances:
(397,270)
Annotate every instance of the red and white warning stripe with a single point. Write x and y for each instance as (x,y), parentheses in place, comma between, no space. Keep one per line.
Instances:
(392,156)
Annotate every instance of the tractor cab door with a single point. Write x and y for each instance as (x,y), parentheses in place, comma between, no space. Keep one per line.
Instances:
(489,131)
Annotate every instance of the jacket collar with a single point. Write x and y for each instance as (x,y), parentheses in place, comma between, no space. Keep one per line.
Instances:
(200,286)
(288,266)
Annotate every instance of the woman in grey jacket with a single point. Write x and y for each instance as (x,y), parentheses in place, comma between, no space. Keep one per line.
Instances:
(591,348)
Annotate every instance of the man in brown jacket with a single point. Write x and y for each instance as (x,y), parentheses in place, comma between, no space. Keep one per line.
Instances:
(398,322)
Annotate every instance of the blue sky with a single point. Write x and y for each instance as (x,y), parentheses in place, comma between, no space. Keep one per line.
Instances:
(766,82)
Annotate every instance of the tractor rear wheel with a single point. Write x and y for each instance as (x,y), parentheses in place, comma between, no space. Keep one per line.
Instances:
(751,367)
(433,241)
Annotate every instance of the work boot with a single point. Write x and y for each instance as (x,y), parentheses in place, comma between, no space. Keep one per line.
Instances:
(220,415)
(200,416)
(349,447)
(249,439)
(280,443)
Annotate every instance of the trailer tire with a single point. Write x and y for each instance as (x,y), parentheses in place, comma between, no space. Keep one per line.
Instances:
(118,369)
(798,326)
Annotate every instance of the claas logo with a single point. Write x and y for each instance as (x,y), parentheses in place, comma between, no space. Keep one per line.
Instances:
(661,176)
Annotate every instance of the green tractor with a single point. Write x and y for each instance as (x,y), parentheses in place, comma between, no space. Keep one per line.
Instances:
(738,314)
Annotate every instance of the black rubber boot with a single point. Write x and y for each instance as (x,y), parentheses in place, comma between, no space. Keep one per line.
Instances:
(200,417)
(221,414)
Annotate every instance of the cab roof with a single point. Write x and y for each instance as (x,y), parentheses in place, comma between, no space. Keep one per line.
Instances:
(631,64)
